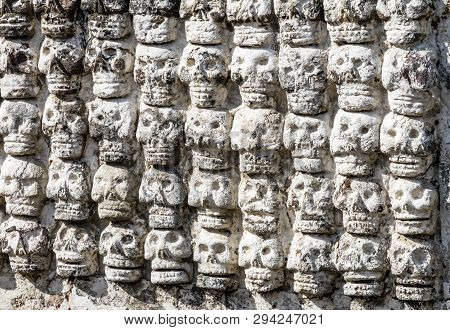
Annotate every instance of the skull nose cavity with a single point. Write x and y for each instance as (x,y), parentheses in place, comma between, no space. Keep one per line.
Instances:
(163,254)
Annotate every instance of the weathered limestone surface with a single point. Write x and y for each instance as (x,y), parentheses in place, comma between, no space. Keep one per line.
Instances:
(225,154)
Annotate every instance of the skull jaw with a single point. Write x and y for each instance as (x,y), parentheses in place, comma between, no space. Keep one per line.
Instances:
(220,283)
(300,32)
(28,206)
(29,264)
(110,26)
(308,165)
(363,289)
(409,165)
(115,151)
(147,33)
(163,217)
(355,165)
(161,155)
(401,32)
(256,97)
(19,144)
(159,96)
(57,26)
(261,223)
(213,160)
(416,226)
(260,162)
(204,32)
(123,275)
(263,280)
(115,210)
(314,224)
(253,35)
(67,146)
(111,88)
(411,102)
(307,102)
(60,85)
(216,269)
(169,277)
(71,210)
(414,293)
(13,25)
(86,267)
(314,284)
(215,218)
(361,223)
(356,97)
(206,95)
(19,86)
(352,32)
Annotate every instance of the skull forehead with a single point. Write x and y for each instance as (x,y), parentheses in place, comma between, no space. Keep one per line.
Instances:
(404,124)
(291,56)
(154,6)
(19,108)
(415,8)
(401,244)
(303,124)
(312,244)
(23,169)
(116,231)
(61,167)
(412,185)
(307,183)
(203,52)
(154,52)
(158,175)
(253,56)
(250,183)
(85,236)
(112,173)
(74,105)
(102,44)
(209,237)
(73,45)
(257,242)
(370,245)
(311,7)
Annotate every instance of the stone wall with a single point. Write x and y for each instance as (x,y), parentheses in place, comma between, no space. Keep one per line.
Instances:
(239,154)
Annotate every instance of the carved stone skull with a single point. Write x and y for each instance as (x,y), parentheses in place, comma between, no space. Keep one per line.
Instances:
(112,122)
(111,63)
(406,22)
(311,199)
(361,202)
(19,70)
(252,22)
(263,260)
(65,122)
(122,247)
(410,144)
(416,265)
(163,192)
(57,17)
(256,73)
(168,251)
(76,251)
(69,187)
(307,139)
(160,131)
(410,78)
(216,252)
(16,18)
(155,70)
(258,136)
(22,184)
(260,201)
(350,21)
(355,141)
(115,191)
(362,260)
(208,136)
(203,21)
(26,242)
(300,21)
(214,193)
(205,69)
(303,75)
(414,203)
(20,125)
(61,60)
(155,21)
(108,19)
(356,69)
(310,261)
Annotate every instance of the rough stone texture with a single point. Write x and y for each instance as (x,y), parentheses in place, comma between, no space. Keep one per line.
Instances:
(226,154)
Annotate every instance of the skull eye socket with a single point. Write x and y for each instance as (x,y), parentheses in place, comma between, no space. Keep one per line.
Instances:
(146,122)
(160,64)
(215,125)
(99,117)
(73,176)
(263,61)
(46,50)
(344,127)
(367,194)
(368,248)
(413,133)
(167,185)
(190,61)
(309,68)
(420,256)
(203,248)
(79,235)
(312,128)
(300,186)
(219,248)
(215,186)
(398,194)
(417,193)
(391,132)
(110,52)
(245,249)
(55,176)
(106,236)
(340,61)
(172,237)
(127,239)
(266,250)
(5,119)
(364,130)
(116,116)
(210,65)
